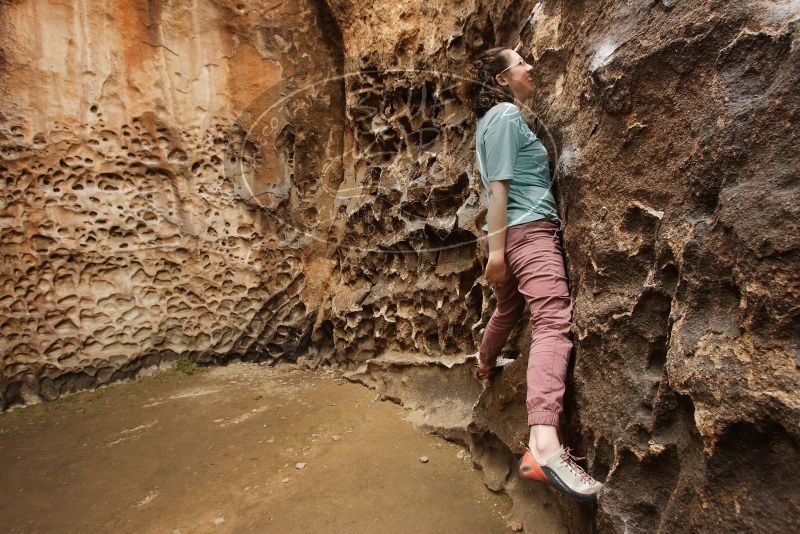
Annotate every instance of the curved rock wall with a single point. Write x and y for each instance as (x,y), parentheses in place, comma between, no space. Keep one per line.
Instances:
(296,180)
(679,186)
(134,229)
(672,128)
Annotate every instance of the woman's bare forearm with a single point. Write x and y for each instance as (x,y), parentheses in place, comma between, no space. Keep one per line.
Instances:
(496,218)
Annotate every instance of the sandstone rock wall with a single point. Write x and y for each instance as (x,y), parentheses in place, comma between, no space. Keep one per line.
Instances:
(157,188)
(296,180)
(679,184)
(407,262)
(673,130)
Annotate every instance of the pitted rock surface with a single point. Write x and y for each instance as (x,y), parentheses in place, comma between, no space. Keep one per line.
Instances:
(134,230)
(220,180)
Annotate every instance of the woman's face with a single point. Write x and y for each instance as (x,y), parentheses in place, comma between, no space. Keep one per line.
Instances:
(518,77)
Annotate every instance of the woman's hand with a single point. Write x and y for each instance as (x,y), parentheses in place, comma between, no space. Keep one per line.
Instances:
(497,272)
(483,373)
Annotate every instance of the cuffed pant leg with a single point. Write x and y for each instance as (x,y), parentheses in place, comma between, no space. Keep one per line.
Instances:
(548,359)
(537,262)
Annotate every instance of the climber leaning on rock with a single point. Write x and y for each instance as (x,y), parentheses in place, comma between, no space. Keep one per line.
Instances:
(525,265)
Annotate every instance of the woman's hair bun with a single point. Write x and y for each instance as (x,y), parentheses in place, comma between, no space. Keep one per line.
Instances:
(485,91)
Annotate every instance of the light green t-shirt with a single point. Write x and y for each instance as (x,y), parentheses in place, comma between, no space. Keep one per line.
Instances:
(508,150)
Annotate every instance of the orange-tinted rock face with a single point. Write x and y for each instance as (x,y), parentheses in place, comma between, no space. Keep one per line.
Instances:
(130,234)
(296,180)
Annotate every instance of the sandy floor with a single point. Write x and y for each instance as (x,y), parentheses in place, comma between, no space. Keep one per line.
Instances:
(241,448)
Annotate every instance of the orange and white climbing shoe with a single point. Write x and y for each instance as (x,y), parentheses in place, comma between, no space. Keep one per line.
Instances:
(562,473)
(529,468)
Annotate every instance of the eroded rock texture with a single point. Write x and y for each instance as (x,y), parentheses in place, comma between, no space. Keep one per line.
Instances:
(673,129)
(680,184)
(156,187)
(296,180)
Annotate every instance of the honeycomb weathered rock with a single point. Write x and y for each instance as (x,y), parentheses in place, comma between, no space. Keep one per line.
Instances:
(672,128)
(296,180)
(132,232)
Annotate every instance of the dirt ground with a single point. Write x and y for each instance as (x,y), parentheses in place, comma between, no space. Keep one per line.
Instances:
(241,448)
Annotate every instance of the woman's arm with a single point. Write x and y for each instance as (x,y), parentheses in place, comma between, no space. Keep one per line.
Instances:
(497,272)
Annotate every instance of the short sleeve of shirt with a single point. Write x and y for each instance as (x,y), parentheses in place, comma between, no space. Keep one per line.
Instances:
(501,143)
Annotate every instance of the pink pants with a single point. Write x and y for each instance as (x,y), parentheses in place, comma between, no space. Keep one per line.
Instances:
(534,257)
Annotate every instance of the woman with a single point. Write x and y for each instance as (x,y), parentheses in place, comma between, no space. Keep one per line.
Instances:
(525,265)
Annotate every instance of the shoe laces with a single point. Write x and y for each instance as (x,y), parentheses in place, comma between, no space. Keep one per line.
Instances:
(569,459)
